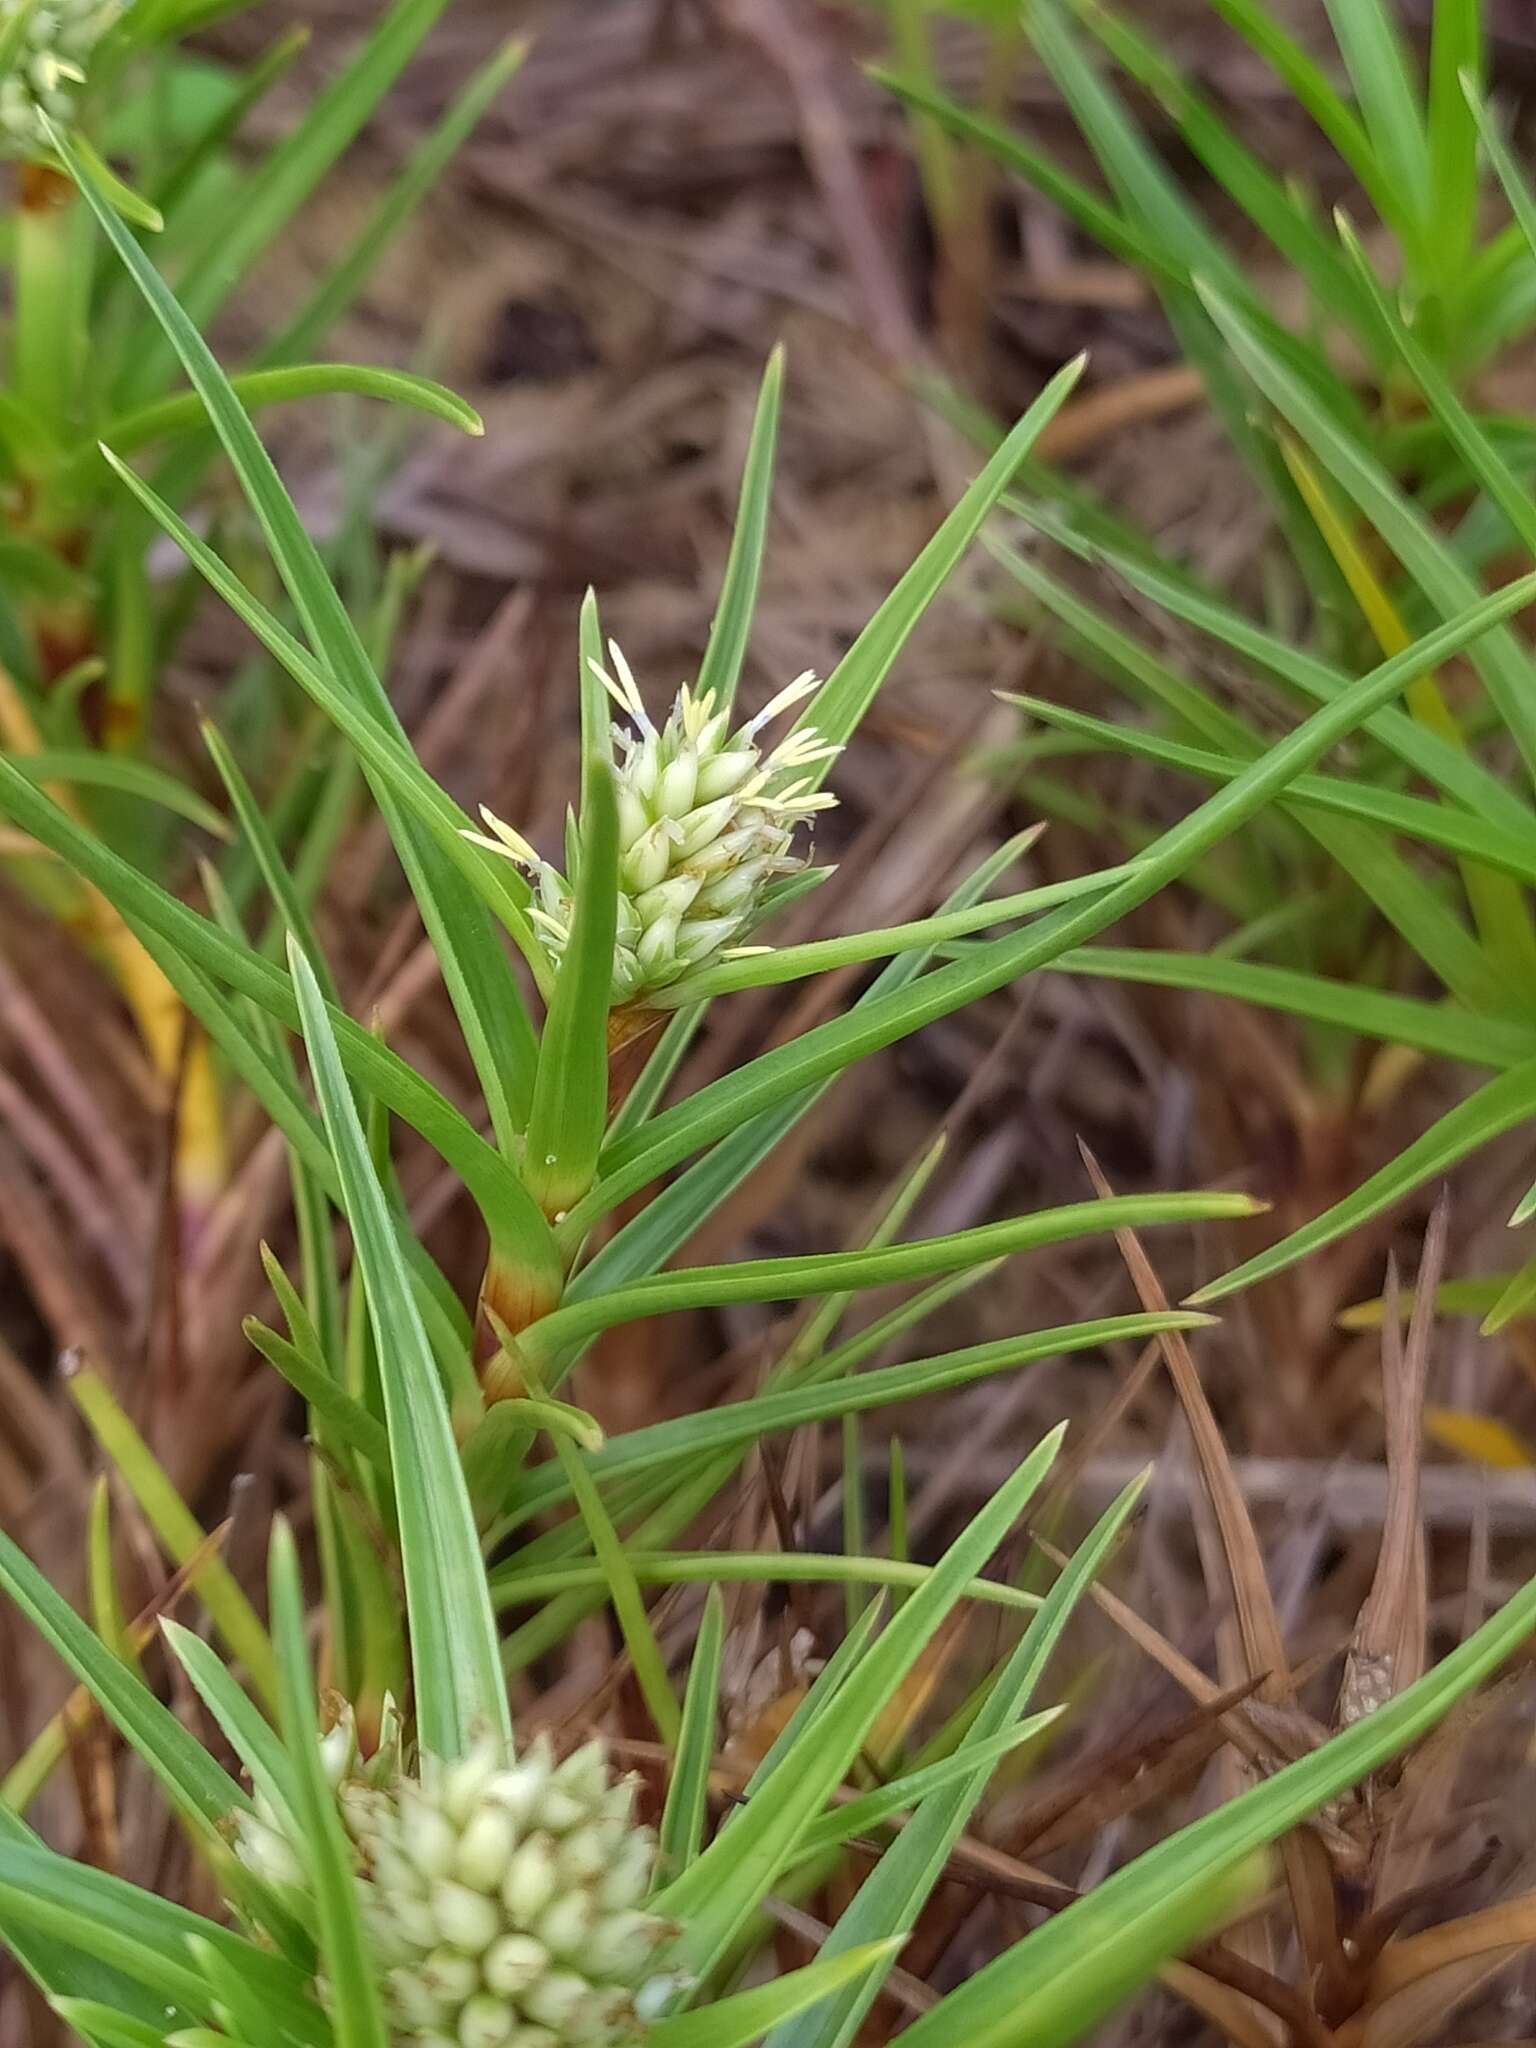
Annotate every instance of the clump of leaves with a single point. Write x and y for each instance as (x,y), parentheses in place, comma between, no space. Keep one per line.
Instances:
(434,1518)
(1387,897)
(86,630)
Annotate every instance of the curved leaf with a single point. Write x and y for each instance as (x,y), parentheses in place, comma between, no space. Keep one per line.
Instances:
(830,1272)
(185,412)
(454,1653)
(1497,1107)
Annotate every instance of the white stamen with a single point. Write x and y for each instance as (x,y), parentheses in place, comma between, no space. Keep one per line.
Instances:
(512,841)
(792,693)
(631,689)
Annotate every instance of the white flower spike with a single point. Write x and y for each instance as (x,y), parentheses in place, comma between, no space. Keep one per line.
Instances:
(706,827)
(49,69)
(504,1898)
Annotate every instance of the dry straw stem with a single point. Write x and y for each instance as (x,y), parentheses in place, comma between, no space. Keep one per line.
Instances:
(1388,1650)
(1390,1647)
(1240,1556)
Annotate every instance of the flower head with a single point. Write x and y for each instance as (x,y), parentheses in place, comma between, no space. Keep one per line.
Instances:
(707,824)
(504,1899)
(49,69)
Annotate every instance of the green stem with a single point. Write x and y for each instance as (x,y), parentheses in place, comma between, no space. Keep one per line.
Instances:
(711,1567)
(44,355)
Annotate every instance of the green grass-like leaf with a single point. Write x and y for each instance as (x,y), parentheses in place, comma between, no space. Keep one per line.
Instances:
(837,1391)
(184,413)
(668,1220)
(1054,1985)
(1371,44)
(478,975)
(717,1893)
(454,1652)
(357,2013)
(851,688)
(792,1279)
(286,177)
(177,1528)
(154,913)
(725,651)
(895,1891)
(687,1806)
(110,1922)
(570,1090)
(86,768)
(1498,1106)
(733,2022)
(195,1784)
(249,1734)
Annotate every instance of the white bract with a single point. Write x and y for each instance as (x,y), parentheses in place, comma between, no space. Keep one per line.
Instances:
(49,69)
(504,1898)
(707,824)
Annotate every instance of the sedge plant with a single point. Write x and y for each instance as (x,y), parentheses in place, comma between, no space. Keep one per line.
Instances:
(1385,902)
(393,1865)
(86,629)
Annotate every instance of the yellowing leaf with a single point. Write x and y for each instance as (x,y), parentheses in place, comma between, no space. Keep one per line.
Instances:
(1478,1437)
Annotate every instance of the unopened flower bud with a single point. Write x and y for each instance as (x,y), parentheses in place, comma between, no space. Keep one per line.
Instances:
(621,1943)
(411,2001)
(604,2013)
(464,1783)
(657,950)
(486,2022)
(426,1833)
(397,1874)
(531,1881)
(731,891)
(494,1894)
(450,1976)
(520,1789)
(723,774)
(627,973)
(644,772)
(466,1920)
(699,937)
(417,1922)
(676,784)
(703,825)
(634,818)
(648,859)
(514,1962)
(671,898)
(266,1851)
(485,1848)
(567,1925)
(390,1943)
(629,1875)
(337,1749)
(556,1999)
(586,1852)
(618,1802)
(651,2000)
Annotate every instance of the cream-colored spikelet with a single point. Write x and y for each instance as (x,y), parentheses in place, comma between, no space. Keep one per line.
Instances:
(50,67)
(504,1899)
(707,824)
